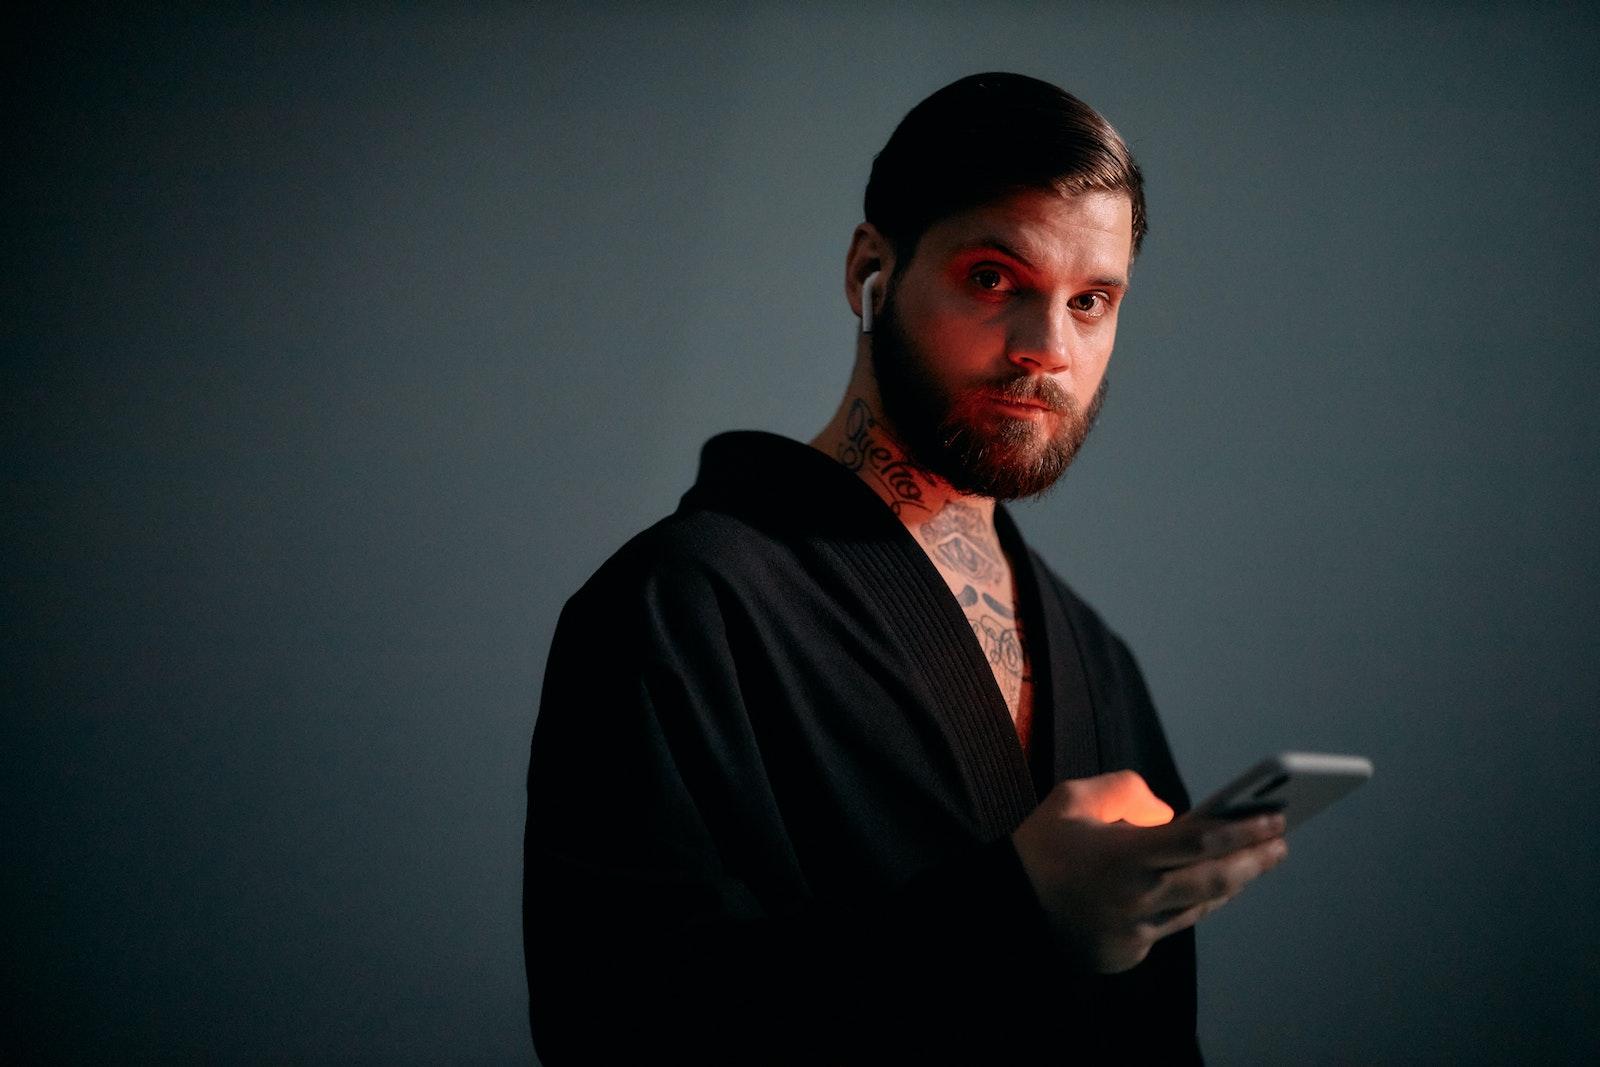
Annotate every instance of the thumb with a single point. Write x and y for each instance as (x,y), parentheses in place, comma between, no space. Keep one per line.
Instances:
(1119,796)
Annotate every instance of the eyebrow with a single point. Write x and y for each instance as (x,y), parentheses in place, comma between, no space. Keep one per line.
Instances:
(991,241)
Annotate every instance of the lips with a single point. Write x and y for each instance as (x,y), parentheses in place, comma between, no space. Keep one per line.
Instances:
(1027,407)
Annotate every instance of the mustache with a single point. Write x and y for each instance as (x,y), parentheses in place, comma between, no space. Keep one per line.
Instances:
(1032,389)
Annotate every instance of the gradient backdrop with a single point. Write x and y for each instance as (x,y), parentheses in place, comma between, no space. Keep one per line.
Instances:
(342,342)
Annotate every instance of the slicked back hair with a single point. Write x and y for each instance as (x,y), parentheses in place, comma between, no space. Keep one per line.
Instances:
(988,136)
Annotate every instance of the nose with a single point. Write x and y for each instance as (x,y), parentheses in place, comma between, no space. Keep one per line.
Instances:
(1042,338)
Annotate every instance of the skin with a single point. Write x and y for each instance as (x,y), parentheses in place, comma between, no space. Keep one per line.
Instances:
(1032,285)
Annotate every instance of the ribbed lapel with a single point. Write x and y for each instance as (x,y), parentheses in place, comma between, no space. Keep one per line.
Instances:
(916,606)
(1064,704)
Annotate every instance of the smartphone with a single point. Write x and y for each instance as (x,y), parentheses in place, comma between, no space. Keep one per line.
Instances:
(1299,784)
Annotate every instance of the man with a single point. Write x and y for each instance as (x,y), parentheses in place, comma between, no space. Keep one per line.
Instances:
(829,766)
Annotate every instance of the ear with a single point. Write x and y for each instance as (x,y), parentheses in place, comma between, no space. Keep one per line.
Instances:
(869,253)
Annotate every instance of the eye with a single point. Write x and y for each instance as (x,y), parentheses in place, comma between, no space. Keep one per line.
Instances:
(990,279)
(1092,305)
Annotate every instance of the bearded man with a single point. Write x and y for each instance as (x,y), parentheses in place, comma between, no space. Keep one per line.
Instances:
(829,765)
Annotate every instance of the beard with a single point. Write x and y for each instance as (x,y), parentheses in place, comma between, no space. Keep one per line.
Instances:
(959,436)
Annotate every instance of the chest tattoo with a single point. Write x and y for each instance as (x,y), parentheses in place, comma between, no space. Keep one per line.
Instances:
(961,542)
(999,634)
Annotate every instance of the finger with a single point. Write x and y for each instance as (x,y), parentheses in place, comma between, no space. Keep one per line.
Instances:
(1190,840)
(1121,796)
(1212,880)
(1136,804)
(1171,922)
(1223,837)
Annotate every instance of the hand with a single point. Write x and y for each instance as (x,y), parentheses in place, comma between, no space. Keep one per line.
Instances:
(1116,874)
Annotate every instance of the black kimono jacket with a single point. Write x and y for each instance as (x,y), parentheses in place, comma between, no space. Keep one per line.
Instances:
(772,786)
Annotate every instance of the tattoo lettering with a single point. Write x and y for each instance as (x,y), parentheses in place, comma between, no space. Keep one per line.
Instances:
(862,450)
(853,450)
(1001,645)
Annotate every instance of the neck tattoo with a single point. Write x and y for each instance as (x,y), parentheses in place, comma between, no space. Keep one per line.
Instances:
(866,450)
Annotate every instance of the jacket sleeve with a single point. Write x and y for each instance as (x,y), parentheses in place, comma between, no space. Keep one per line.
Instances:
(640,941)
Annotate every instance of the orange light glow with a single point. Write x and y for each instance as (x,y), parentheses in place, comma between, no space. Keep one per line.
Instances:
(1130,800)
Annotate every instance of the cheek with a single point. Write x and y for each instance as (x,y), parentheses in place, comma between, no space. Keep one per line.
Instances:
(1096,353)
(958,340)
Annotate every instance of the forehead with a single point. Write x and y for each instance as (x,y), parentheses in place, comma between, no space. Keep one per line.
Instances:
(1089,232)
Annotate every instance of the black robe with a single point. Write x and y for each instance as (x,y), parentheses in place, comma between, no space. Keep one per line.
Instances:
(772,785)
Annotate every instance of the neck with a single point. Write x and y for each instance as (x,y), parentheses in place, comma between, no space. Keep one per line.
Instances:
(859,437)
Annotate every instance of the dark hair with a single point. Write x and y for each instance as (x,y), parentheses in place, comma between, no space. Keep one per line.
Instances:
(985,137)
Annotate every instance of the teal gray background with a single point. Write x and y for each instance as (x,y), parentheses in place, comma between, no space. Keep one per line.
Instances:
(341,343)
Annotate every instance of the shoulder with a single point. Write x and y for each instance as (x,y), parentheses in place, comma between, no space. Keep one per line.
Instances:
(692,558)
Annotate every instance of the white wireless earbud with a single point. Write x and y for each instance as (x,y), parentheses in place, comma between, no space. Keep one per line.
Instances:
(866,302)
